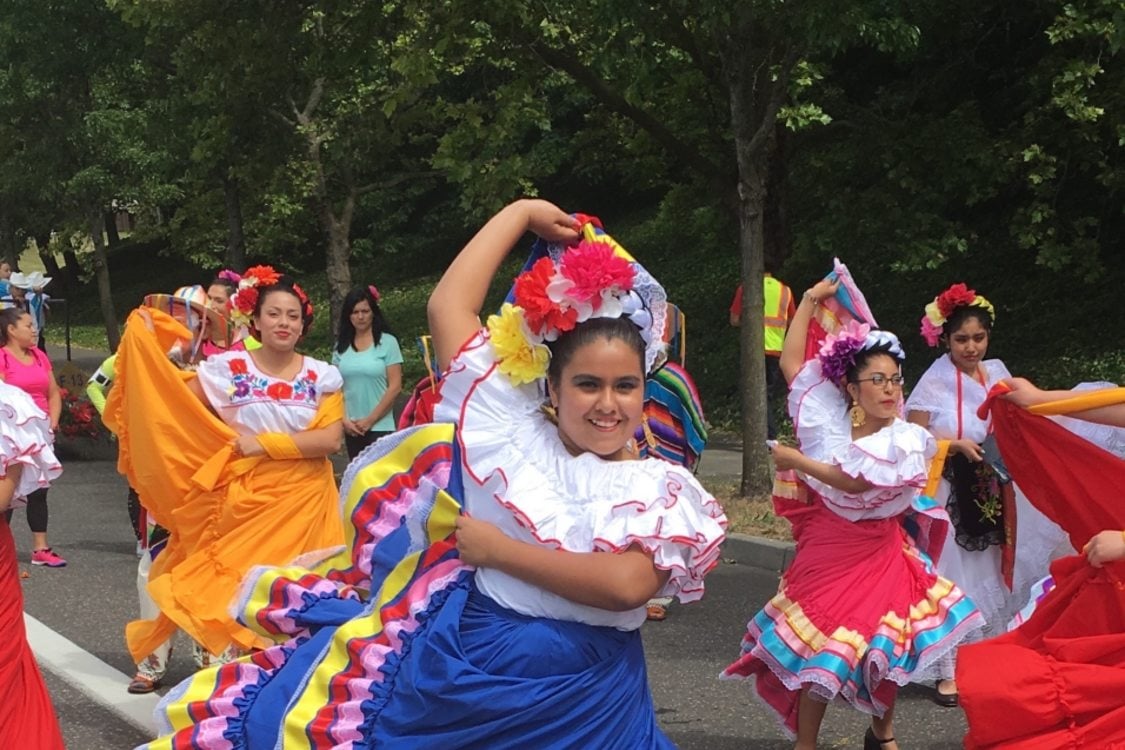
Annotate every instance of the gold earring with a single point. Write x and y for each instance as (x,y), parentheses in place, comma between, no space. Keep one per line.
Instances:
(857,415)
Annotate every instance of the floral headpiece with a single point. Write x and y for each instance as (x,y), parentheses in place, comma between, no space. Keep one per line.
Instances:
(228,275)
(374,293)
(249,286)
(944,305)
(595,279)
(839,350)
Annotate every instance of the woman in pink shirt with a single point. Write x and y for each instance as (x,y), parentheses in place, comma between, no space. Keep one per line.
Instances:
(26,367)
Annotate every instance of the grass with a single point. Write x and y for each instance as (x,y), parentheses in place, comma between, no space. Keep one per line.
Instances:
(749,515)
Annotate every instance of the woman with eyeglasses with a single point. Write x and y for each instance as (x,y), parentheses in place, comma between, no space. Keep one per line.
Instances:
(370,360)
(860,609)
(995,570)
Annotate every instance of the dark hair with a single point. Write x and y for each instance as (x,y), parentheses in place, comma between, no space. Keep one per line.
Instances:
(287,285)
(865,356)
(346,335)
(9,317)
(227,284)
(564,347)
(958,317)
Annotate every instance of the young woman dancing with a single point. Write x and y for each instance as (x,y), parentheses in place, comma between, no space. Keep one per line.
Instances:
(860,608)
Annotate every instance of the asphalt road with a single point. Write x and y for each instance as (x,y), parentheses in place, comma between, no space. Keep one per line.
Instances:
(89,602)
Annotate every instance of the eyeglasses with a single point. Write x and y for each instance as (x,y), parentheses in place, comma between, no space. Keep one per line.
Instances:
(879,380)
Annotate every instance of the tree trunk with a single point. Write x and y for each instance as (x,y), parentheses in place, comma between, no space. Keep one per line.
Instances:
(72,269)
(43,247)
(111,232)
(236,240)
(8,250)
(337,232)
(101,272)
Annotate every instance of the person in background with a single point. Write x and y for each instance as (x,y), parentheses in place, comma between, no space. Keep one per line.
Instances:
(370,360)
(5,290)
(778,309)
(26,367)
(219,293)
(27,294)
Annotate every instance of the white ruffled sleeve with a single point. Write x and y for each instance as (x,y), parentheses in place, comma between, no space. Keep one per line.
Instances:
(819,411)
(931,394)
(328,377)
(25,441)
(896,460)
(473,387)
(669,515)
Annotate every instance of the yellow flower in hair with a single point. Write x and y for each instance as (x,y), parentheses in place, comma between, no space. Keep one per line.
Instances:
(934,314)
(518,358)
(982,302)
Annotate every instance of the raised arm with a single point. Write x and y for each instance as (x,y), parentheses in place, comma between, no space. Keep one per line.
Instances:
(793,350)
(455,305)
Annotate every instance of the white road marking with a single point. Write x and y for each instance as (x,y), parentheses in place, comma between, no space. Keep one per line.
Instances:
(91,675)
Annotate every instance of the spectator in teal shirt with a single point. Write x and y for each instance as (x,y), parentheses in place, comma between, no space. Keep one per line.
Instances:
(370,360)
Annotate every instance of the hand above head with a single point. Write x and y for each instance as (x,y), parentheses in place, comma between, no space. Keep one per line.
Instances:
(822,290)
(550,222)
(478,542)
(1105,546)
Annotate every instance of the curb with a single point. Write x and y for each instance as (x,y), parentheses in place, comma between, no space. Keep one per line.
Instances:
(759,552)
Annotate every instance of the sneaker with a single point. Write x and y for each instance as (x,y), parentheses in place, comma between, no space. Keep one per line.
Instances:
(47,556)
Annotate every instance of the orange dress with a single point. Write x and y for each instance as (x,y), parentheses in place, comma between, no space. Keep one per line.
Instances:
(225,514)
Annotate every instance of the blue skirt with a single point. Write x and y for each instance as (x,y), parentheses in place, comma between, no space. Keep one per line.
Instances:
(478,675)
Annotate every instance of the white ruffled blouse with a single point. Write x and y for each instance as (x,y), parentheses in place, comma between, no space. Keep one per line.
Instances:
(252,402)
(936,395)
(25,440)
(895,459)
(518,475)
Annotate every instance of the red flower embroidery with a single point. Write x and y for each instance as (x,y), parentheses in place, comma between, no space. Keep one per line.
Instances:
(310,376)
(279,391)
(538,309)
(955,296)
(238,367)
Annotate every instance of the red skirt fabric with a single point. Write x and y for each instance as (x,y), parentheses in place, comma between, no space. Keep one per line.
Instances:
(27,719)
(1058,681)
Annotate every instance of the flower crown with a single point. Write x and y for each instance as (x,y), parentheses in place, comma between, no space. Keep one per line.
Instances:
(839,350)
(944,305)
(595,279)
(255,279)
(228,275)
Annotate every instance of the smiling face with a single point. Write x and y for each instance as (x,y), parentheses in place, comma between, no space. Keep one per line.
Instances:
(599,397)
(881,402)
(278,320)
(968,345)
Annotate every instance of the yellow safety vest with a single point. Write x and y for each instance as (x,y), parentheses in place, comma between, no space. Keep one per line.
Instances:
(775,313)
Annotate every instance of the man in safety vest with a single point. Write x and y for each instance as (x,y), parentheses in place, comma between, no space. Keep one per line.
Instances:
(778,310)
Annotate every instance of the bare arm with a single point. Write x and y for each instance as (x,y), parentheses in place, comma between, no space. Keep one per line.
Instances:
(793,350)
(1026,394)
(394,387)
(790,458)
(920,418)
(454,307)
(616,582)
(311,443)
(54,403)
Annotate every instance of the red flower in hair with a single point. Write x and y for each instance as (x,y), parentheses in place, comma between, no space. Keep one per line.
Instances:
(246,300)
(238,367)
(593,268)
(265,275)
(279,391)
(955,296)
(539,311)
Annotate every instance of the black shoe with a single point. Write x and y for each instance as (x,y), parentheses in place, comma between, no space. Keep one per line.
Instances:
(871,742)
(945,700)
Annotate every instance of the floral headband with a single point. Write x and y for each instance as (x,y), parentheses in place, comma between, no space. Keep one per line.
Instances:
(839,350)
(228,275)
(595,279)
(944,305)
(251,283)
